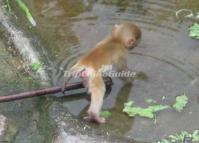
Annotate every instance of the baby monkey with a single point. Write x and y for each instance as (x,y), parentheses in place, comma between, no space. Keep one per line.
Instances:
(113,50)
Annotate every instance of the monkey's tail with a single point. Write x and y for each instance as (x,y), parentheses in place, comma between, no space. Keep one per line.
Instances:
(69,74)
(74,71)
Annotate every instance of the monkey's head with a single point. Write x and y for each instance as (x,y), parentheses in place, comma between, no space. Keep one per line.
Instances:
(127,33)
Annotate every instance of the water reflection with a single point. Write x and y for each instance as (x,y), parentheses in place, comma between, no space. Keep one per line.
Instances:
(164,39)
(166,54)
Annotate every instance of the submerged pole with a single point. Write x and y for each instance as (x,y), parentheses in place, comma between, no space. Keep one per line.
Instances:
(39,92)
(50,90)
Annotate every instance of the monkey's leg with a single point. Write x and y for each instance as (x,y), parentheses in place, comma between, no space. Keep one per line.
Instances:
(97,90)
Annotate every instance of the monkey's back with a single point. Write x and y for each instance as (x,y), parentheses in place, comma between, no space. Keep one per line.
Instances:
(104,54)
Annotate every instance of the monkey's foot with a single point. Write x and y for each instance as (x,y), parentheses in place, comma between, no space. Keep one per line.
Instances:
(95,119)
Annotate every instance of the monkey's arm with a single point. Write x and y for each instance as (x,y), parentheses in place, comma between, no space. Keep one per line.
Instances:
(121,67)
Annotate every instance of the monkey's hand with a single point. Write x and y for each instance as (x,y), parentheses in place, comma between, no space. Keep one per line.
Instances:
(92,117)
(139,75)
(129,77)
(135,75)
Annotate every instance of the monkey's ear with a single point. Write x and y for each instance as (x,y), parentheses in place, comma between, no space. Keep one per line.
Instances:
(116,25)
(130,43)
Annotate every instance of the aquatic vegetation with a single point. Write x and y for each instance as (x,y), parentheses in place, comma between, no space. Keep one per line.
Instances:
(149,112)
(187,13)
(24,8)
(150,101)
(36,66)
(181,102)
(7,5)
(194,31)
(143,112)
(179,138)
(105,114)
(72,8)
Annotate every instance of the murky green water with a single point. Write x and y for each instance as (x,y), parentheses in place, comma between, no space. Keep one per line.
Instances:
(166,55)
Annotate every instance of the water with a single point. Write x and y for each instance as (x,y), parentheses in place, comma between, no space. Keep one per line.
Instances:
(166,55)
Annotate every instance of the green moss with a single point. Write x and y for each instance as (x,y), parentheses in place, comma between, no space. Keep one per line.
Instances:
(11,131)
(72,8)
(45,126)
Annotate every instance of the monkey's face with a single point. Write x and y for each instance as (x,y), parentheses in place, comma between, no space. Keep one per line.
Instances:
(132,42)
(128,33)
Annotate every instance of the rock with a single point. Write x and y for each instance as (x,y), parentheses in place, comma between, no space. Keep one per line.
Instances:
(71,130)
(3,125)
(8,129)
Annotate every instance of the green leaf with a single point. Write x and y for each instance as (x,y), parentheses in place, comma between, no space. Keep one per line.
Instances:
(28,78)
(23,7)
(143,112)
(178,138)
(8,5)
(181,102)
(165,141)
(105,114)
(150,101)
(194,31)
(36,66)
(128,104)
(172,137)
(156,108)
(132,111)
(195,135)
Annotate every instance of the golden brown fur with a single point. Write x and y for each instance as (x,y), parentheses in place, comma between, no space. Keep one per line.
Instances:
(113,50)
